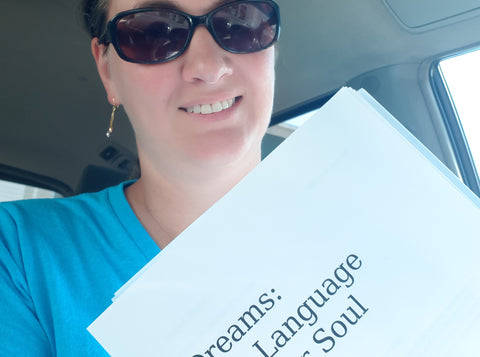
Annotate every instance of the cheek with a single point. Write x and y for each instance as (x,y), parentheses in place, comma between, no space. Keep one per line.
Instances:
(261,78)
(262,66)
(141,83)
(262,72)
(146,92)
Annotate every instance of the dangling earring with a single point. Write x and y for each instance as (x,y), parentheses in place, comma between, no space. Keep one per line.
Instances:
(112,118)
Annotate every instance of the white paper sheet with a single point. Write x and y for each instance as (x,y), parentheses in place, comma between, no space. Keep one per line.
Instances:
(349,239)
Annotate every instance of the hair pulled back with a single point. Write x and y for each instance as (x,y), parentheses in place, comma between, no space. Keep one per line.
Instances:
(95,16)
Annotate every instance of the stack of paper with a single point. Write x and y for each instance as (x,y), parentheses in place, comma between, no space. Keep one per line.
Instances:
(351,239)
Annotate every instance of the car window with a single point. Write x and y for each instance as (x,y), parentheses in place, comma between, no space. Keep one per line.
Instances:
(285,128)
(298,121)
(456,80)
(462,78)
(11,191)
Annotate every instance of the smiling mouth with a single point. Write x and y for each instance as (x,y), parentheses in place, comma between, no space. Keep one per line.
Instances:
(211,108)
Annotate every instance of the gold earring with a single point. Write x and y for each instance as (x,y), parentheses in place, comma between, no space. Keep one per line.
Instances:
(112,118)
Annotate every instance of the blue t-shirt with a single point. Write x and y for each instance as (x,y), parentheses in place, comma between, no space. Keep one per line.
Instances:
(61,261)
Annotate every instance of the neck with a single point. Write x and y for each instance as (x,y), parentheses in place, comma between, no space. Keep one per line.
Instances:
(168,205)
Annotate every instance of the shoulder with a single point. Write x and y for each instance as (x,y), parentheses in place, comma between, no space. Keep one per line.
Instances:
(31,223)
(54,248)
(44,211)
(79,231)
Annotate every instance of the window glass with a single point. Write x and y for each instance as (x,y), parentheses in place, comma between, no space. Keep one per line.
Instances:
(298,121)
(10,191)
(462,77)
(285,128)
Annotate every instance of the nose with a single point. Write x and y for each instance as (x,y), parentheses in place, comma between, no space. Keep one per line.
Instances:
(204,61)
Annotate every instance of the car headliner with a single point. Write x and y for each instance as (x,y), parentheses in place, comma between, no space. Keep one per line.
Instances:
(55,110)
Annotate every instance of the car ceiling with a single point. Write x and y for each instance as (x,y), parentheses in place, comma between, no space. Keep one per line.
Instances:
(55,112)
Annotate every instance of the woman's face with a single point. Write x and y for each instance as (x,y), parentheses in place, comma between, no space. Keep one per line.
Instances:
(158,99)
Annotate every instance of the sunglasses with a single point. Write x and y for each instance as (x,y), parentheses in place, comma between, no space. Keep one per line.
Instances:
(157,35)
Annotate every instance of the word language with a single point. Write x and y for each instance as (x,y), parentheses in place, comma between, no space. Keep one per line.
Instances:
(307,312)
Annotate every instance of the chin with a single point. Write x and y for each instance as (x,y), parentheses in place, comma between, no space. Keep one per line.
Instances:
(227,151)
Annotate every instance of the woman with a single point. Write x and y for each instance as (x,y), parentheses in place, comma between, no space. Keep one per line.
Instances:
(198,91)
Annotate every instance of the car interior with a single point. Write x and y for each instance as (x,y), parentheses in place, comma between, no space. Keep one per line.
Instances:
(55,112)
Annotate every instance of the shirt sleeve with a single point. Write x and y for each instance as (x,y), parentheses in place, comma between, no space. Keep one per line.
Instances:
(21,333)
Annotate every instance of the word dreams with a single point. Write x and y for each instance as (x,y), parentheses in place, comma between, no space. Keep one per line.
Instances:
(245,323)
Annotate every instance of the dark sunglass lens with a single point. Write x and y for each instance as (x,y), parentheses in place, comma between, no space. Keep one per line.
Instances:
(246,27)
(152,36)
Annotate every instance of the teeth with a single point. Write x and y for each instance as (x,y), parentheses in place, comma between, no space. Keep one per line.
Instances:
(211,108)
(217,107)
(206,109)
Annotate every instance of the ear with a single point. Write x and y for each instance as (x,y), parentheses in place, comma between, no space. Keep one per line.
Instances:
(101,59)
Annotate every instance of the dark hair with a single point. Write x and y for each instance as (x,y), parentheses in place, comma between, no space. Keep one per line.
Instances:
(95,16)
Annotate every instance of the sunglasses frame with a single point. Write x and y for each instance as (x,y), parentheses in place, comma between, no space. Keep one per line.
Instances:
(110,36)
